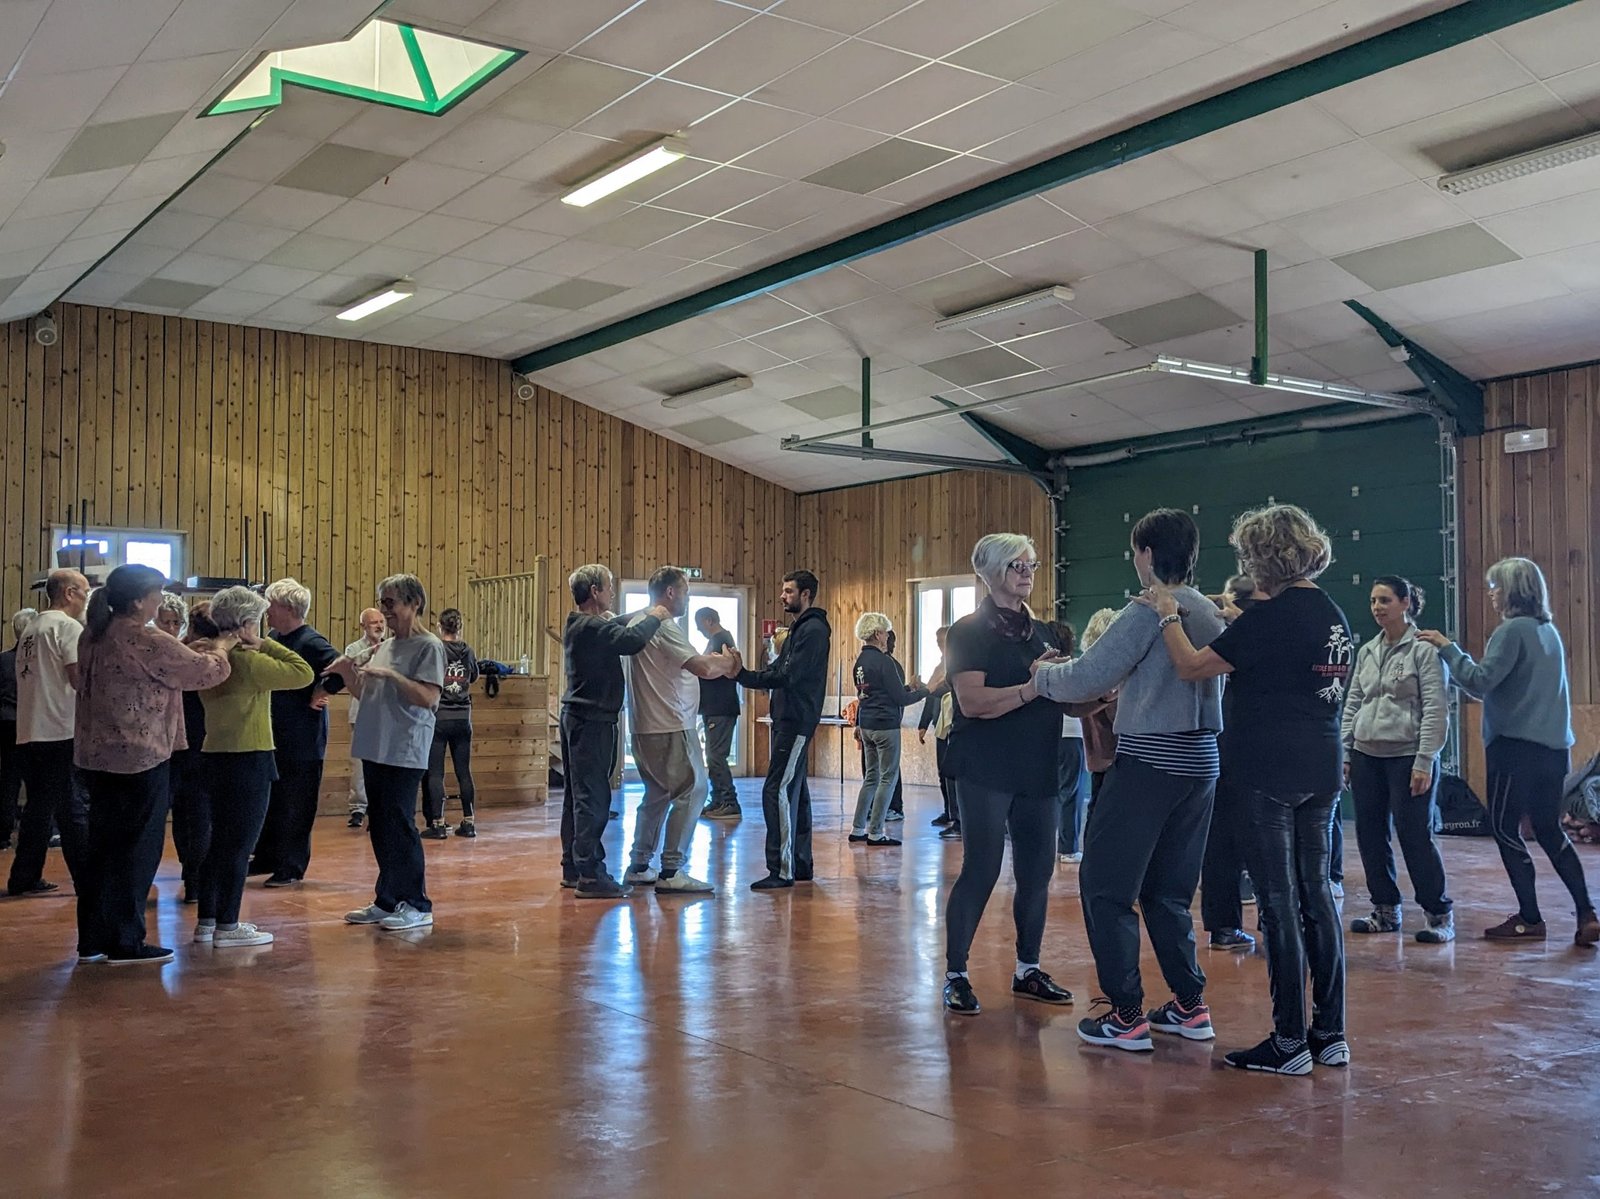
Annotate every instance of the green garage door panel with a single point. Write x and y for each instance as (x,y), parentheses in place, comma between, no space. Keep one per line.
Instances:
(1375,488)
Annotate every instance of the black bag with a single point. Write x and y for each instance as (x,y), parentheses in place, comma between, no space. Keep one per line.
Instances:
(1461,813)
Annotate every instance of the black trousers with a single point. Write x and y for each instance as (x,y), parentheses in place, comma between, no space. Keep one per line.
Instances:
(236,801)
(1336,845)
(191,815)
(284,846)
(1525,779)
(56,798)
(1289,855)
(1221,899)
(1381,788)
(1069,791)
(1145,842)
(10,779)
(454,734)
(986,814)
(947,786)
(786,804)
(588,756)
(396,844)
(127,832)
(720,731)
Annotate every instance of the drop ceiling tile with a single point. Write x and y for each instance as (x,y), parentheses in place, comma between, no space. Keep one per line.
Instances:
(930,91)
(58,43)
(717,191)
(1072,346)
(1366,221)
(804,340)
(558,26)
(135,259)
(1169,320)
(337,170)
(70,193)
(264,155)
(846,72)
(168,293)
(488,142)
(881,165)
(913,262)
(439,234)
(988,118)
(1556,42)
(273,280)
(1510,123)
(565,91)
(706,240)
(285,208)
(1428,256)
(40,231)
(146,88)
(507,246)
(421,186)
(360,220)
(755,315)
(565,160)
(711,430)
(1067,258)
(175,230)
(386,262)
(956,291)
(312,251)
(1039,40)
(1140,53)
(976,367)
(843,16)
(809,149)
(1016,226)
(635,269)
(1546,227)
(1317,181)
(1126,188)
(935,28)
(1346,359)
(387,130)
(1290,288)
(753,54)
(779,207)
(652,37)
(828,403)
(65,101)
(497,200)
(1486,290)
(740,127)
(515,284)
(640,227)
(237,239)
(1577,268)
(454,274)
(690,337)
(1262,142)
(630,357)
(841,290)
(1429,85)
(660,106)
(114,144)
(80,251)
(1213,263)
(574,294)
(461,308)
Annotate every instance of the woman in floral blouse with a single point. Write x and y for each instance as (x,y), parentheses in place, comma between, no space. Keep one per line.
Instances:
(131,679)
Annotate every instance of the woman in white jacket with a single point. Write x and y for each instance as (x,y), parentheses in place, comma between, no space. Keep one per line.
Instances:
(1396,718)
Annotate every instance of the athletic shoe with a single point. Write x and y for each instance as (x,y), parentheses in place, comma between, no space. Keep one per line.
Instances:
(55,840)
(723,811)
(1588,929)
(1381,920)
(1038,985)
(256,868)
(1235,940)
(941,820)
(883,840)
(640,876)
(1515,928)
(39,888)
(569,884)
(893,816)
(1069,859)
(402,919)
(281,880)
(436,832)
(1329,1048)
(682,884)
(603,887)
(1337,889)
(371,914)
(190,894)
(772,882)
(357,819)
(1273,1057)
(959,997)
(145,955)
(950,832)
(857,838)
(1191,1023)
(1440,929)
(239,935)
(1247,889)
(85,959)
(467,828)
(1112,1030)
(205,932)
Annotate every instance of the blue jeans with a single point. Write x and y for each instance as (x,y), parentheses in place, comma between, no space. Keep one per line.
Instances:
(1070,772)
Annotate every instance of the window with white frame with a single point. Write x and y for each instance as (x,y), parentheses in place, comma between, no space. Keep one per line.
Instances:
(106,549)
(936,604)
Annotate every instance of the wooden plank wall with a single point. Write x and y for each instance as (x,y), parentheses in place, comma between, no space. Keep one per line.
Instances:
(371,459)
(1545,506)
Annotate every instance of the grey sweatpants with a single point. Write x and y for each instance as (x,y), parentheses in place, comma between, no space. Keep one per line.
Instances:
(881,751)
(674,774)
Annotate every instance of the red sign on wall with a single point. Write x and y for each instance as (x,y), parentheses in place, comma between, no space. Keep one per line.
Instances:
(768,627)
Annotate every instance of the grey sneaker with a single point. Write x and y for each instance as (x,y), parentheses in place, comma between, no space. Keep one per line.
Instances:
(1440,929)
(682,883)
(1382,920)
(405,917)
(639,876)
(730,811)
(371,914)
(205,931)
(241,934)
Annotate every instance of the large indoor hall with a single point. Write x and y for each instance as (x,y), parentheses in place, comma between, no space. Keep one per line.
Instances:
(845,598)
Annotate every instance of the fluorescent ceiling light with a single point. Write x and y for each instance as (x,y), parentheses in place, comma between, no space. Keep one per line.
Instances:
(710,392)
(1332,392)
(647,161)
(1058,295)
(1518,165)
(400,289)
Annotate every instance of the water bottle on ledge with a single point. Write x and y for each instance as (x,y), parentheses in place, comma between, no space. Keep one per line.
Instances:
(523,666)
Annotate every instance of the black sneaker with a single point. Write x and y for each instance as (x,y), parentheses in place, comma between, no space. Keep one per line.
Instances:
(569,884)
(145,955)
(55,840)
(1110,1029)
(603,887)
(281,880)
(1038,985)
(857,838)
(1233,939)
(771,883)
(1329,1048)
(723,811)
(357,819)
(959,997)
(1190,1023)
(1273,1056)
(883,840)
(256,868)
(940,820)
(436,832)
(951,831)
(41,887)
(467,828)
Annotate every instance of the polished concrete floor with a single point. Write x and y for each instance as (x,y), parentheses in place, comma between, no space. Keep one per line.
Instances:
(757,1044)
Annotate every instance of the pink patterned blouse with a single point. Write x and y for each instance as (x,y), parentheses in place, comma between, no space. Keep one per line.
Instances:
(130,696)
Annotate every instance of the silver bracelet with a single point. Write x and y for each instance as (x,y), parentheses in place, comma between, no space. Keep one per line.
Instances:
(1174,618)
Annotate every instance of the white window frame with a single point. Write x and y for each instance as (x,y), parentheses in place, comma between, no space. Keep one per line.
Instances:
(945,585)
(116,539)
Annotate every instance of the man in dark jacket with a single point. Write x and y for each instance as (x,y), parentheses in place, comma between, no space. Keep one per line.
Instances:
(592,647)
(801,673)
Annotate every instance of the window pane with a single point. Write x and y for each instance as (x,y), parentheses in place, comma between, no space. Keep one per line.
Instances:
(156,554)
(930,615)
(963,601)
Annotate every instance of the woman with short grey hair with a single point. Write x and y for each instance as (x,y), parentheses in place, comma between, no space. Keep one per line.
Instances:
(173,615)
(292,594)
(882,698)
(399,688)
(1527,737)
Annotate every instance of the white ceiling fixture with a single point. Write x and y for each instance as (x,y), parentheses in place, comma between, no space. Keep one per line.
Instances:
(711,391)
(660,153)
(1518,165)
(384,297)
(1332,392)
(1003,310)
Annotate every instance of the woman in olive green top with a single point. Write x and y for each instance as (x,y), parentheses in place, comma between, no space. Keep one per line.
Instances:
(238,758)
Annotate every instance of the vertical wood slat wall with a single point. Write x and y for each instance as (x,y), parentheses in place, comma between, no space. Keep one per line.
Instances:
(1543,505)
(371,459)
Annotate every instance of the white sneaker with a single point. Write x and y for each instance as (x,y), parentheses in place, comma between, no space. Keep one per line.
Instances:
(639,876)
(205,931)
(1069,859)
(683,884)
(405,917)
(241,934)
(371,914)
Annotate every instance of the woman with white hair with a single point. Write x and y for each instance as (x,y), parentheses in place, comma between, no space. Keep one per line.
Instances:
(173,615)
(10,767)
(239,761)
(882,700)
(1002,761)
(1527,737)
(399,689)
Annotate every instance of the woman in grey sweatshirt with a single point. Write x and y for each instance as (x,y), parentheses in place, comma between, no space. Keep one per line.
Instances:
(1527,738)
(1396,717)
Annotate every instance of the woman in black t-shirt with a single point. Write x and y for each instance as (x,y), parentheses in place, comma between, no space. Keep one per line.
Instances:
(1002,764)
(1287,659)
(452,730)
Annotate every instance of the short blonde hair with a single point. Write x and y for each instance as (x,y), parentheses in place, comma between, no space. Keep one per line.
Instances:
(1279,545)
(871,624)
(292,594)
(175,604)
(995,552)
(237,608)
(1095,629)
(1522,584)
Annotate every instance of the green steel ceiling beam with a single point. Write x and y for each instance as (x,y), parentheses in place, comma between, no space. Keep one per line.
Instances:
(913,457)
(1458,395)
(1382,52)
(1016,449)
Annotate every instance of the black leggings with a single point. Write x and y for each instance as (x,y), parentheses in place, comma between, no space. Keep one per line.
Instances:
(1525,779)
(240,790)
(456,736)
(986,813)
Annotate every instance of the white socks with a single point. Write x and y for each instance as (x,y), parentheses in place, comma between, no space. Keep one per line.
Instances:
(1024,967)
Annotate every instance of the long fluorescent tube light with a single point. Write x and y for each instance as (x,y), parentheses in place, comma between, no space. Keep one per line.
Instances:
(1044,298)
(1333,392)
(1518,165)
(400,289)
(709,392)
(647,161)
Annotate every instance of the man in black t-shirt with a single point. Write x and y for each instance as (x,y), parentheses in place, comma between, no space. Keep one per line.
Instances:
(719,712)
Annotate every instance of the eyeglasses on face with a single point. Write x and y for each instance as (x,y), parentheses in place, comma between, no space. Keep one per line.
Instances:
(1022,567)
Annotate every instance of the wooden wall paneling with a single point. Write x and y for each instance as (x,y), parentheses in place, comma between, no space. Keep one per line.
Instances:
(71,427)
(52,501)
(14,390)
(1581,429)
(233,447)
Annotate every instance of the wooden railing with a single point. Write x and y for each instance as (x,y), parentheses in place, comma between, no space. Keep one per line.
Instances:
(509,617)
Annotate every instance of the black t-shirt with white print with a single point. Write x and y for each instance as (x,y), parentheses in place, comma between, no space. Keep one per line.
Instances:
(1291,657)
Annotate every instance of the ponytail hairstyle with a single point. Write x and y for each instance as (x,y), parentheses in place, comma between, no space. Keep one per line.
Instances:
(1404,589)
(450,621)
(123,589)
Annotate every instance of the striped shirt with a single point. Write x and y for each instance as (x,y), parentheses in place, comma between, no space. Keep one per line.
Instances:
(1191,755)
